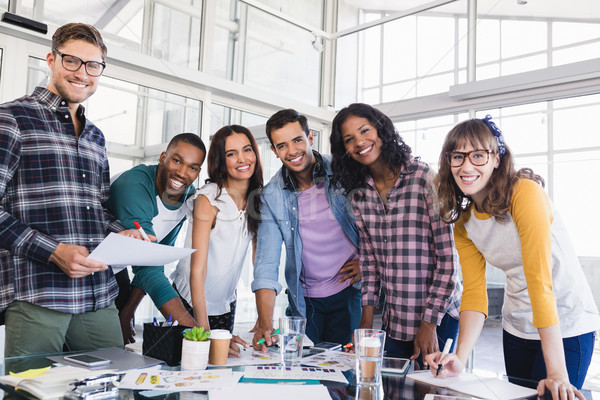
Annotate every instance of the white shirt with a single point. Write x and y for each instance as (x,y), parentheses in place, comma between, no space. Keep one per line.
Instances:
(227,250)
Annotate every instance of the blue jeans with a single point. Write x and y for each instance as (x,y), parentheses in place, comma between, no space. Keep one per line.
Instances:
(448,329)
(333,318)
(523,358)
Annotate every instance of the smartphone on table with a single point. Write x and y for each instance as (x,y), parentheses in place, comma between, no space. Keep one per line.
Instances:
(393,365)
(87,360)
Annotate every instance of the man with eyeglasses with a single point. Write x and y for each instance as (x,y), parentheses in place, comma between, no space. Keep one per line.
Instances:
(54,184)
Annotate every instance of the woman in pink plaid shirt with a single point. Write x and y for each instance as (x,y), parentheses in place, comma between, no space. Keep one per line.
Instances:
(406,250)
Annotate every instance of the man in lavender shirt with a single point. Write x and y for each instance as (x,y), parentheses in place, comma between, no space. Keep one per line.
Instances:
(301,208)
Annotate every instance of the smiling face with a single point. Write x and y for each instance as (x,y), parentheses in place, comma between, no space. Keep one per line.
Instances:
(73,86)
(178,168)
(473,180)
(293,147)
(361,140)
(240,157)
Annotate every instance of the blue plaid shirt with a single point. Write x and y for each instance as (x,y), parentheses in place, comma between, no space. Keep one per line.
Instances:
(53,188)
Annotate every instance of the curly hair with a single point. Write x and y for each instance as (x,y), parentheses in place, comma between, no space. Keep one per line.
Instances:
(453,202)
(351,174)
(217,170)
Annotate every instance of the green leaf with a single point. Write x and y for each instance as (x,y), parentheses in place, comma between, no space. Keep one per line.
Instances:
(196,334)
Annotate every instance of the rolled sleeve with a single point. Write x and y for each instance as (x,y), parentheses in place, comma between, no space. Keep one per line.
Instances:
(268,252)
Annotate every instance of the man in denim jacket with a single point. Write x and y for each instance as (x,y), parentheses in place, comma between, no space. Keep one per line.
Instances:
(301,208)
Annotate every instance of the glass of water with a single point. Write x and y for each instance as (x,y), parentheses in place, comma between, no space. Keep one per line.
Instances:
(291,334)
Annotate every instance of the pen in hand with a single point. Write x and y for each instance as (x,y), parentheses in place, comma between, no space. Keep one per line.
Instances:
(446,351)
(275,333)
(142,232)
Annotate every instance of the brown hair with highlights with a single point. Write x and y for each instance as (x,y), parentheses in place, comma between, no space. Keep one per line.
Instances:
(78,31)
(453,202)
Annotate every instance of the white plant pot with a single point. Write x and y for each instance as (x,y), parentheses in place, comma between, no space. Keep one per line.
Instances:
(194,355)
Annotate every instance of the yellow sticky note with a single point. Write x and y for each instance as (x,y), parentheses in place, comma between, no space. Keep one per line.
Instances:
(31,373)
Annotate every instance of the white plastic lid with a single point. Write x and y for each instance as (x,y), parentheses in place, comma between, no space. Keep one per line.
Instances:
(369,342)
(220,334)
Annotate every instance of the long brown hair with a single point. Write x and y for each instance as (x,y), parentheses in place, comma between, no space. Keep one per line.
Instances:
(217,170)
(453,202)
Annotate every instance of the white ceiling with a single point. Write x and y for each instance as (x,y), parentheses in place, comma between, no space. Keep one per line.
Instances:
(560,9)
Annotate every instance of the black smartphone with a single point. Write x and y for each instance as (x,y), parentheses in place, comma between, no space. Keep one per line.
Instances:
(327,346)
(87,360)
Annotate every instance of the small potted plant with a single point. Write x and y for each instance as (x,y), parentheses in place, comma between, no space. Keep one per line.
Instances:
(195,348)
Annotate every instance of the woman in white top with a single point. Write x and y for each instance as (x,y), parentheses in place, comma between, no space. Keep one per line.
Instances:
(224,223)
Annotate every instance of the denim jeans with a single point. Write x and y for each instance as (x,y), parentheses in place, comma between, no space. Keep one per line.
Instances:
(523,358)
(448,329)
(333,318)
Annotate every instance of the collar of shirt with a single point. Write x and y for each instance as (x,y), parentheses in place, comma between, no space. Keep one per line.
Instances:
(318,174)
(409,168)
(54,102)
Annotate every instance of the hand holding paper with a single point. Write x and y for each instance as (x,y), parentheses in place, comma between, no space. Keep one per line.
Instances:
(122,250)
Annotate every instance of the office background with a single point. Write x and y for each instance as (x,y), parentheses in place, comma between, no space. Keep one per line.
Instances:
(195,65)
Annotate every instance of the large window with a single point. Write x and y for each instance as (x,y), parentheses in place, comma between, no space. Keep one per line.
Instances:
(176,32)
(280,58)
(413,56)
(558,139)
(426,53)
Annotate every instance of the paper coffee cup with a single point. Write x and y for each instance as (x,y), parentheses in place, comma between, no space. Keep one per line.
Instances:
(369,347)
(219,346)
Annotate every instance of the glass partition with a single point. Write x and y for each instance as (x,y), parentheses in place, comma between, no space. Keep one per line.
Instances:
(280,58)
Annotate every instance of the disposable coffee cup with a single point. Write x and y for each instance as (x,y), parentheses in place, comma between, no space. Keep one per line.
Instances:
(369,347)
(219,346)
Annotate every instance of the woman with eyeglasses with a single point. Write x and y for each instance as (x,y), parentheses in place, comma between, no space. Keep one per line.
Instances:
(503,217)
(406,250)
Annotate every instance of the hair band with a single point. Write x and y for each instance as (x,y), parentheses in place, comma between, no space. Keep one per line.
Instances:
(496,132)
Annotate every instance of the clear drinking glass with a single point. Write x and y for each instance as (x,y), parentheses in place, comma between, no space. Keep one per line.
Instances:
(291,334)
(368,347)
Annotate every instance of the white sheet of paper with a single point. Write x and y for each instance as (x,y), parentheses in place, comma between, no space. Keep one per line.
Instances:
(484,387)
(261,391)
(331,359)
(181,381)
(122,250)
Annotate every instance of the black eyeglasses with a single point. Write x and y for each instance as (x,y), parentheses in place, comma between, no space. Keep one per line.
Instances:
(73,63)
(477,157)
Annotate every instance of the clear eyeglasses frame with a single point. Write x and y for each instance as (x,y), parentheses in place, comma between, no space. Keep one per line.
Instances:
(73,63)
(477,157)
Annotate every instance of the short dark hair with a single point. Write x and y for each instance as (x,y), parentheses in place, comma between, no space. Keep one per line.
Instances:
(190,138)
(78,31)
(284,117)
